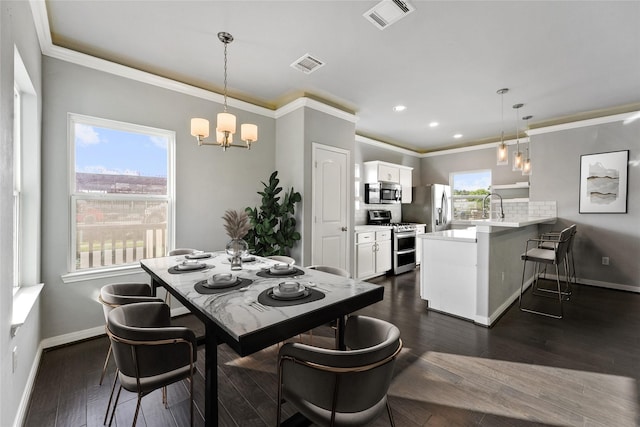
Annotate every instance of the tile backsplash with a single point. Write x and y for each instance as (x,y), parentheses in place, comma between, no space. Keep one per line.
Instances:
(543,208)
(360,216)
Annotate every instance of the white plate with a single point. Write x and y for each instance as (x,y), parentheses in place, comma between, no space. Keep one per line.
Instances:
(277,269)
(199,255)
(190,265)
(289,294)
(222,279)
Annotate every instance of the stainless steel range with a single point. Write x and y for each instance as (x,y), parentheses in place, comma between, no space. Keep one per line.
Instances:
(403,239)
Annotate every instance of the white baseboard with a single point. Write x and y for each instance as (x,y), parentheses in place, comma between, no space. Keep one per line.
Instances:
(21,413)
(600,284)
(489,321)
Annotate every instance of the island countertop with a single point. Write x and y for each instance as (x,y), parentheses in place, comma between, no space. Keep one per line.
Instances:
(511,222)
(462,235)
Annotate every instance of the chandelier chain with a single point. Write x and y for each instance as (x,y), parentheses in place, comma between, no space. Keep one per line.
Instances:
(225,76)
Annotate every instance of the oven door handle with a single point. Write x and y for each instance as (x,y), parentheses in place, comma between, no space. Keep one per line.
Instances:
(405,251)
(405,234)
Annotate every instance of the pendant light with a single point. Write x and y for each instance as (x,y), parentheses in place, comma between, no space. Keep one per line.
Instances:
(226,122)
(503,151)
(526,164)
(517,155)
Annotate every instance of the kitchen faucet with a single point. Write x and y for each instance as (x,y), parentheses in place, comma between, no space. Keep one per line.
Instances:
(484,211)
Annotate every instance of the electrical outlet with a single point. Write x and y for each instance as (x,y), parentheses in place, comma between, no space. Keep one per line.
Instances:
(605,260)
(14,358)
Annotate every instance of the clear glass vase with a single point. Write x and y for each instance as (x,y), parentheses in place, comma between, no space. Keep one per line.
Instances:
(236,249)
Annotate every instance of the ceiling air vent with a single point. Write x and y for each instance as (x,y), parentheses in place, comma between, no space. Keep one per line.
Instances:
(387,12)
(307,64)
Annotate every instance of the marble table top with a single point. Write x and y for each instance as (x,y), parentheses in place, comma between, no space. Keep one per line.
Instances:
(234,311)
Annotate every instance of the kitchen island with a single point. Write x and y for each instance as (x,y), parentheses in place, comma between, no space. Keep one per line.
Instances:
(475,273)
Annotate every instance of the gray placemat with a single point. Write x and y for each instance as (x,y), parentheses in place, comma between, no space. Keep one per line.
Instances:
(266,299)
(202,289)
(174,270)
(267,273)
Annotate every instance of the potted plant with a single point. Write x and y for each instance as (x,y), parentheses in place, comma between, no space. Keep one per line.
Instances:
(273,225)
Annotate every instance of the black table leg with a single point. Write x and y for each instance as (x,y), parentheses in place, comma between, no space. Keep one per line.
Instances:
(210,377)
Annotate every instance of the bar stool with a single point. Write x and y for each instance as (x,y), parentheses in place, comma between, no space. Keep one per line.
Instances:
(570,266)
(555,256)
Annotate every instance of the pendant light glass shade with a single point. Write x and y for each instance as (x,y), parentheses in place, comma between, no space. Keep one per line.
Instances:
(526,164)
(517,155)
(502,151)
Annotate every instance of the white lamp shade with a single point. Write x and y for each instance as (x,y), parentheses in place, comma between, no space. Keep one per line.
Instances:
(517,161)
(220,137)
(200,127)
(526,167)
(249,132)
(502,154)
(226,123)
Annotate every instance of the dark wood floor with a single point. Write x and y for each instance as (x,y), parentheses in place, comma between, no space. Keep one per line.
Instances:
(528,370)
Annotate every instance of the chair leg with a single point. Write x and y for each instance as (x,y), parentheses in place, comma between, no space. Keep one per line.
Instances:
(115,379)
(106,362)
(135,417)
(115,404)
(165,402)
(390,415)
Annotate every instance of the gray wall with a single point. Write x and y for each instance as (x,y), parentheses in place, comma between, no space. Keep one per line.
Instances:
(614,235)
(296,133)
(555,158)
(16,28)
(208,180)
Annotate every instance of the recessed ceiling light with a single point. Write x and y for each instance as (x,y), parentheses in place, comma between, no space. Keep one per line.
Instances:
(399,108)
(457,136)
(433,124)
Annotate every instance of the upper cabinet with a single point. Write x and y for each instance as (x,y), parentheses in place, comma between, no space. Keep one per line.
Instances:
(377,171)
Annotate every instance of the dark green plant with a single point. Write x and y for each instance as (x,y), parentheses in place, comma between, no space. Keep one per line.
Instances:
(273,226)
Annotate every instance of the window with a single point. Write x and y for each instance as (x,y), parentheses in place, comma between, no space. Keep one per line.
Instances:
(469,188)
(121,192)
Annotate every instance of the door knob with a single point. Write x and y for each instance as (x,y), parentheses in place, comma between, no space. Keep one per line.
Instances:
(344,228)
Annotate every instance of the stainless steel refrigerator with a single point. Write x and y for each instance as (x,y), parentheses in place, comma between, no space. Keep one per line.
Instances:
(431,205)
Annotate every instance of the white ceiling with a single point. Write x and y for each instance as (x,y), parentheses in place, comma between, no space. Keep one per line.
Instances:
(445,61)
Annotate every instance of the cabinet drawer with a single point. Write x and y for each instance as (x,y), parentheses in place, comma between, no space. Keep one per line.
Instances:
(367,237)
(383,235)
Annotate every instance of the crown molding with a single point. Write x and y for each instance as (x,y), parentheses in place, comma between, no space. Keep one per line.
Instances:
(316,105)
(624,117)
(386,146)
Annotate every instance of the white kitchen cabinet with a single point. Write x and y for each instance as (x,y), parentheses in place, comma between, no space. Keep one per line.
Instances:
(373,253)
(377,171)
(405,183)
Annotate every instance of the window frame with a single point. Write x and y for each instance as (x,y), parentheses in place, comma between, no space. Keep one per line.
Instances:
(454,196)
(118,269)
(17,188)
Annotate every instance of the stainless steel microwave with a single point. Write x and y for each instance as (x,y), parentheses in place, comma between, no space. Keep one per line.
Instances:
(382,193)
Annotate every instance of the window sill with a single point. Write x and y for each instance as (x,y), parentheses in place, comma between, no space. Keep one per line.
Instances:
(103,273)
(23,302)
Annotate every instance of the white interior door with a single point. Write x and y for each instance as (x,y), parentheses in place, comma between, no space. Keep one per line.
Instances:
(330,235)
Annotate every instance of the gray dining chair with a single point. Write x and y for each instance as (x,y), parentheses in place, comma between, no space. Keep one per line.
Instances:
(546,257)
(150,354)
(116,294)
(341,388)
(550,240)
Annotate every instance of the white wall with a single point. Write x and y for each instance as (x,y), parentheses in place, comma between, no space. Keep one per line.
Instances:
(16,31)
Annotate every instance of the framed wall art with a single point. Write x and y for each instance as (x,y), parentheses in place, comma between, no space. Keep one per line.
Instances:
(603,182)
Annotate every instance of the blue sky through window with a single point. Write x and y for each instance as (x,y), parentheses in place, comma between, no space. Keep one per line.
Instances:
(471,181)
(117,152)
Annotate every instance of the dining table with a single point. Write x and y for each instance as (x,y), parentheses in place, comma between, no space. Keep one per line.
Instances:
(247,312)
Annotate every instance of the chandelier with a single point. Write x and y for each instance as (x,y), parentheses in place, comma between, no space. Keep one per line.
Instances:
(226,122)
